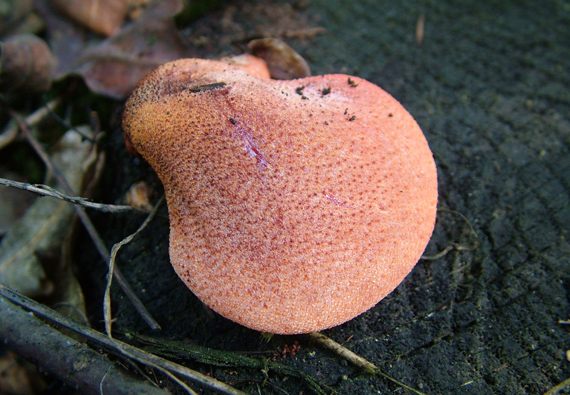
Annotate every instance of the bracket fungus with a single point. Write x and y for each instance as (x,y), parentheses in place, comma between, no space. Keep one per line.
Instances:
(294,205)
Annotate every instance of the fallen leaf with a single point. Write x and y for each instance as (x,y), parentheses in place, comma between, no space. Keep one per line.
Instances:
(37,238)
(113,66)
(282,60)
(26,65)
(102,16)
(67,40)
(138,196)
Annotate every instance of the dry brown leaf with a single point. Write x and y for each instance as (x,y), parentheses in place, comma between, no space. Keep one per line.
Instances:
(112,67)
(282,60)
(138,196)
(26,65)
(66,39)
(38,237)
(102,16)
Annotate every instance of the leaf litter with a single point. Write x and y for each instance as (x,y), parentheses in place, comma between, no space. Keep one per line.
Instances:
(112,66)
(36,239)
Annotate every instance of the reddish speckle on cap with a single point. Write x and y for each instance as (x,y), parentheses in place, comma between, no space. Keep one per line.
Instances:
(288,213)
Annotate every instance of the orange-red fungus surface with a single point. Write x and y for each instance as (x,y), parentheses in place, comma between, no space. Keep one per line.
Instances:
(294,205)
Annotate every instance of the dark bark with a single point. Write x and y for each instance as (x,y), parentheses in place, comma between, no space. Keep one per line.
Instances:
(489,87)
(72,362)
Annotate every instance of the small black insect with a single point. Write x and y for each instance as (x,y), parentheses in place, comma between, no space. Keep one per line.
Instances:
(352,83)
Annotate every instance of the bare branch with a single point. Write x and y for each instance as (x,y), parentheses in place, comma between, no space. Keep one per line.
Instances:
(87,223)
(116,345)
(455,246)
(355,359)
(11,132)
(344,352)
(46,190)
(114,251)
(559,388)
(71,361)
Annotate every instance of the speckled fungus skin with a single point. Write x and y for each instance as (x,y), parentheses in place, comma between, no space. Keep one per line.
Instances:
(294,205)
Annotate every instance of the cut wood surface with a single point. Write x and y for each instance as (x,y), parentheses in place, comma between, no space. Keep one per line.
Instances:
(489,87)
(488,83)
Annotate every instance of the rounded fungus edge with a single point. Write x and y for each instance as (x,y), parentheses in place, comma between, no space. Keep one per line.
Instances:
(294,205)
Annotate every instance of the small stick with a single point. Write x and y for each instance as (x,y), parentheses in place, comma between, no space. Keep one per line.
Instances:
(69,359)
(558,388)
(12,132)
(303,33)
(420,25)
(355,359)
(114,251)
(46,190)
(344,352)
(454,246)
(116,345)
(70,127)
(87,223)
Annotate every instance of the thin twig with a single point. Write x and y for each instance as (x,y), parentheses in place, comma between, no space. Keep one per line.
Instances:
(114,251)
(558,388)
(356,359)
(68,126)
(420,28)
(440,254)
(344,352)
(46,190)
(74,363)
(87,223)
(11,132)
(163,370)
(454,246)
(115,345)
(304,33)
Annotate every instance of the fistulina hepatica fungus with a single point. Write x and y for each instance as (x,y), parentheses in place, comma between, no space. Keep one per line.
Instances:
(294,205)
